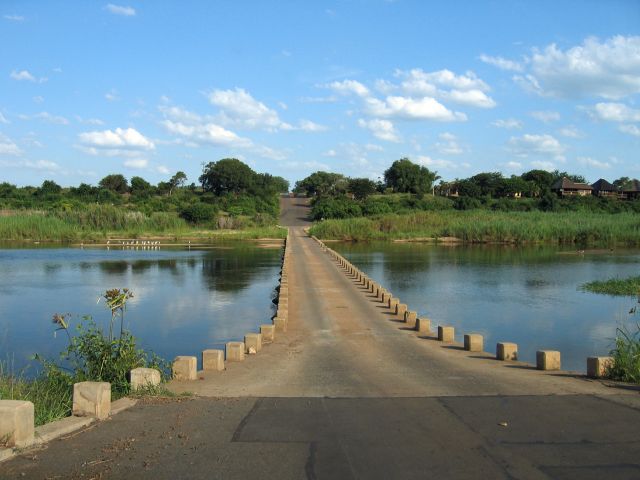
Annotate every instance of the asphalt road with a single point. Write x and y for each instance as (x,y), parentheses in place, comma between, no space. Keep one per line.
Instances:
(348,392)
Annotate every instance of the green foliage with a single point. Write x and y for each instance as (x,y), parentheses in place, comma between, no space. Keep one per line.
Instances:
(361,188)
(140,187)
(626,355)
(615,286)
(198,213)
(228,175)
(338,207)
(115,182)
(322,184)
(407,177)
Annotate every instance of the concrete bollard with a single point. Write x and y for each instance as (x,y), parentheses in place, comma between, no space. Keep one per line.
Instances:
(598,367)
(473,342)
(410,319)
(268,333)
(252,343)
(401,309)
(185,368)
(423,325)
(393,303)
(548,360)
(144,378)
(92,399)
(234,351)
(446,334)
(213,360)
(16,423)
(507,351)
(280,323)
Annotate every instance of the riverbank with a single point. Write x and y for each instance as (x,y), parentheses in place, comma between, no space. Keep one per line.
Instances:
(481,226)
(44,228)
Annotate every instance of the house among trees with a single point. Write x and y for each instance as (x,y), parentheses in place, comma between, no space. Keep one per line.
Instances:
(630,190)
(602,188)
(566,188)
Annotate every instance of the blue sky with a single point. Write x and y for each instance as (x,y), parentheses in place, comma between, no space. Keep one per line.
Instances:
(151,87)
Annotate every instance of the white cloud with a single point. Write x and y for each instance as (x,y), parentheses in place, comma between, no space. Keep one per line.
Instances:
(45,117)
(425,108)
(309,126)
(429,162)
(382,129)
(512,166)
(630,129)
(125,11)
(546,116)
(545,145)
(8,147)
(502,63)
(308,166)
(571,131)
(420,82)
(592,162)
(14,18)
(372,147)
(40,165)
(89,121)
(163,169)
(544,165)
(508,123)
(347,87)
(330,153)
(118,139)
(3,119)
(615,112)
(239,108)
(112,95)
(23,75)
(136,163)
(472,98)
(448,145)
(608,69)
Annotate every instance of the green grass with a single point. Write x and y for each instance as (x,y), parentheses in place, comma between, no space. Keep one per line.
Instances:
(626,356)
(614,286)
(476,226)
(102,223)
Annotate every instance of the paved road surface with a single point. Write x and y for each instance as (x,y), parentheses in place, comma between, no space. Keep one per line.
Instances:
(347,392)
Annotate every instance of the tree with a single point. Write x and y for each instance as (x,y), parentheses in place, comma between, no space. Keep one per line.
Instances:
(489,183)
(362,187)
(266,184)
(49,187)
(177,181)
(140,187)
(115,182)
(622,183)
(407,177)
(541,180)
(228,175)
(322,184)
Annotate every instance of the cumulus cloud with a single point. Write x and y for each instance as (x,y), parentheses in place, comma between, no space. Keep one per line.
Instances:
(541,145)
(615,112)
(8,146)
(3,119)
(630,129)
(136,163)
(502,63)
(125,11)
(571,131)
(112,95)
(427,161)
(40,165)
(118,142)
(448,144)
(13,18)
(23,75)
(239,108)
(382,129)
(425,108)
(309,126)
(508,123)
(347,87)
(608,69)
(592,162)
(546,116)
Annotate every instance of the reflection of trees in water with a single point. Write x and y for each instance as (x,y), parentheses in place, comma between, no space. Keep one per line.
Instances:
(52,268)
(114,267)
(236,270)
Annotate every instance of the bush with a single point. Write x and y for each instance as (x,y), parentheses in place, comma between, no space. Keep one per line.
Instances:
(466,203)
(198,213)
(340,207)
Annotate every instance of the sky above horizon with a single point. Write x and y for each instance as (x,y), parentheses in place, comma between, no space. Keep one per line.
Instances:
(152,87)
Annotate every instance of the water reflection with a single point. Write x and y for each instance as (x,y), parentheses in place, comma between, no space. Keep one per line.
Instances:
(528,295)
(185,300)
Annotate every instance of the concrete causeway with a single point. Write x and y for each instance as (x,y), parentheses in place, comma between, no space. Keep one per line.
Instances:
(350,392)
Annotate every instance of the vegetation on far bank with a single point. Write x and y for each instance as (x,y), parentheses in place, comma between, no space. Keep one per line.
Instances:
(489,226)
(628,287)
(230,197)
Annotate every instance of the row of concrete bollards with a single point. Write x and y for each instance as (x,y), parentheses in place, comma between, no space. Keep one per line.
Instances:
(93,399)
(185,367)
(473,342)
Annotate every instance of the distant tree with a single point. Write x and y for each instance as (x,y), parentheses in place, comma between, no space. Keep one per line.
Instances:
(489,183)
(115,182)
(177,181)
(322,184)
(228,175)
(622,183)
(266,184)
(49,187)
(7,190)
(540,179)
(407,177)
(84,190)
(362,187)
(140,187)
(558,175)
(467,188)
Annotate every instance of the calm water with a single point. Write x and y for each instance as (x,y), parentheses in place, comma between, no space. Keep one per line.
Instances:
(525,295)
(185,300)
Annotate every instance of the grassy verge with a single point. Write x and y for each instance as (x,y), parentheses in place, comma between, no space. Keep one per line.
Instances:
(490,226)
(626,356)
(51,228)
(614,286)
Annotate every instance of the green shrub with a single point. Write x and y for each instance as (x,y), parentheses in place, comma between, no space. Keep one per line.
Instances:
(199,213)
